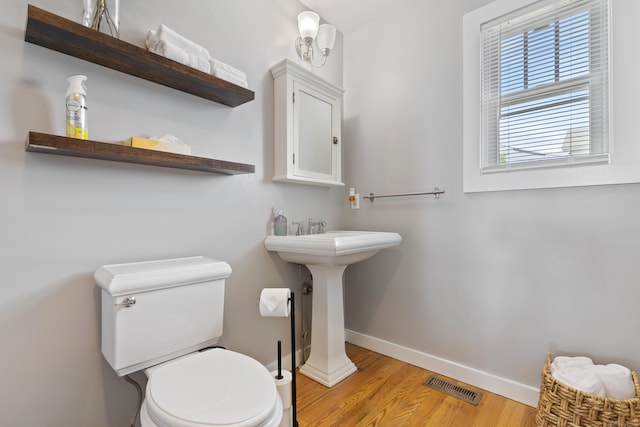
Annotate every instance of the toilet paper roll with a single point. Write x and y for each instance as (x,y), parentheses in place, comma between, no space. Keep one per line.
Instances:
(287,418)
(284,387)
(274,302)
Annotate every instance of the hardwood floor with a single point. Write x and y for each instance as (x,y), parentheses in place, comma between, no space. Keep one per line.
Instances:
(387,392)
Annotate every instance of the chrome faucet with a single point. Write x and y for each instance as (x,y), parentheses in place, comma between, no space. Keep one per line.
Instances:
(320,227)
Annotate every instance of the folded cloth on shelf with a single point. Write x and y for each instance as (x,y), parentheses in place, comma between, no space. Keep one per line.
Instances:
(580,378)
(221,66)
(617,381)
(231,78)
(173,52)
(168,43)
(166,34)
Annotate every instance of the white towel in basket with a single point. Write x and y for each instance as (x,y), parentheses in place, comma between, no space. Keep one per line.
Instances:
(563,362)
(617,381)
(581,378)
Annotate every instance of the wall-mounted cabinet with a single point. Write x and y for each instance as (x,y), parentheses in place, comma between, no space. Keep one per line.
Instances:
(308,126)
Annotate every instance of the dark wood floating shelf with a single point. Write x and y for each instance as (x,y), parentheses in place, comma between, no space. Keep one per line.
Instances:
(52,144)
(66,36)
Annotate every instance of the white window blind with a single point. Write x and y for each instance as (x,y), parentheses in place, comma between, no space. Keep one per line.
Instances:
(545,86)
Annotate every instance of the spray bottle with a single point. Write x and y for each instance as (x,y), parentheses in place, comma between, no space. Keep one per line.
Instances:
(76,102)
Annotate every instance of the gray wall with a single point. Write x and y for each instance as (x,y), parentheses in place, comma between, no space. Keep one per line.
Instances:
(62,217)
(467,284)
(492,281)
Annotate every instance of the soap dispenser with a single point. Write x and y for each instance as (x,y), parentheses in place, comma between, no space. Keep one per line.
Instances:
(280,224)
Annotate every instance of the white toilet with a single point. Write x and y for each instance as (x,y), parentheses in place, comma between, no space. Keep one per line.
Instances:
(157,316)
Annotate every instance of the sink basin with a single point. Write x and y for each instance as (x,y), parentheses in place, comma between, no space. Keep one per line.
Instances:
(331,248)
(326,256)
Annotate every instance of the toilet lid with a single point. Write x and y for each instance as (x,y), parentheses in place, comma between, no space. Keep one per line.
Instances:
(216,387)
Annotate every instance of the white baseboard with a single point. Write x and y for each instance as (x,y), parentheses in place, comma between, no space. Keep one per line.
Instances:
(504,387)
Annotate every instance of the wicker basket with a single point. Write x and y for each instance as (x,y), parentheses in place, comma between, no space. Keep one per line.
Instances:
(563,406)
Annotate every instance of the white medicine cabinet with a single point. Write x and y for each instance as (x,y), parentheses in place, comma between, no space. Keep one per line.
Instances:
(308,125)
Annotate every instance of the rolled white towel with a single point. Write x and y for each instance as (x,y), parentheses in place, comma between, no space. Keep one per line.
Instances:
(222,66)
(173,52)
(563,362)
(166,34)
(231,78)
(617,381)
(580,378)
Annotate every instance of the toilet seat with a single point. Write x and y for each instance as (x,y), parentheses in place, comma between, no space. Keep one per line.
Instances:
(212,388)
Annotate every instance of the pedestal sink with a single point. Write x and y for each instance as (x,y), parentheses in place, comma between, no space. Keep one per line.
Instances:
(327,255)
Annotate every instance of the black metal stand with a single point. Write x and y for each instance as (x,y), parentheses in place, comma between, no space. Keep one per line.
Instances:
(293,361)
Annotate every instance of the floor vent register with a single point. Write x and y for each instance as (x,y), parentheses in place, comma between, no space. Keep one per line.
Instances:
(454,390)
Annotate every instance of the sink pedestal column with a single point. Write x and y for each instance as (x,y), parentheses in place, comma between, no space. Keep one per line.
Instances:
(328,363)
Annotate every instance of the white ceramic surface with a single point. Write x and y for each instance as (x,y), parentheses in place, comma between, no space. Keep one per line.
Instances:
(327,255)
(331,248)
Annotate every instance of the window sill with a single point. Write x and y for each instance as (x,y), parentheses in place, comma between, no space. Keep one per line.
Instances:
(553,163)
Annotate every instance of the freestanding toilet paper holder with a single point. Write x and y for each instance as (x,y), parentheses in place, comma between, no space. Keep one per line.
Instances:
(292,315)
(293,361)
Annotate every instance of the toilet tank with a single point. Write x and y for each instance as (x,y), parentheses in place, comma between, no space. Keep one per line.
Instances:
(179,305)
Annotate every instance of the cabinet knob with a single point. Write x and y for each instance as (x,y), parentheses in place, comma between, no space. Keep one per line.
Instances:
(335,140)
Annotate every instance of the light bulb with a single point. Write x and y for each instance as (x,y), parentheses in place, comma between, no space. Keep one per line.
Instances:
(326,37)
(308,24)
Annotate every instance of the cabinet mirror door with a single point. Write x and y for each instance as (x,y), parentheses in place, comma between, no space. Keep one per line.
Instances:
(314,148)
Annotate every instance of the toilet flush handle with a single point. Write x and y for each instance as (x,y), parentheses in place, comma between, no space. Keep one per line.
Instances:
(127,302)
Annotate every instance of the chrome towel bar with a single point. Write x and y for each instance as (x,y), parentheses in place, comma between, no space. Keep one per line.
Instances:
(436,192)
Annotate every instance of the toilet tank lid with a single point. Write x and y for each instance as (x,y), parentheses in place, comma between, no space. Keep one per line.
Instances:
(119,279)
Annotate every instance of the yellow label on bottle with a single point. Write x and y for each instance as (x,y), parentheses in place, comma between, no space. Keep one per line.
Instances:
(77,116)
(77,132)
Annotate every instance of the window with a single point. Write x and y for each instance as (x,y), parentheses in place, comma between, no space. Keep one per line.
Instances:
(618,25)
(544,86)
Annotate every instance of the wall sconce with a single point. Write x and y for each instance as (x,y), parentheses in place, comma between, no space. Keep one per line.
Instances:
(310,30)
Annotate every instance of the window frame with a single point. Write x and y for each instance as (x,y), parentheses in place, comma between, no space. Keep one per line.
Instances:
(495,100)
(614,169)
